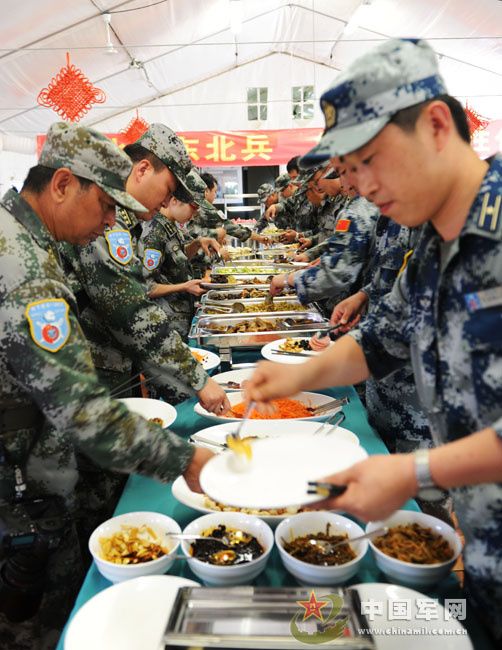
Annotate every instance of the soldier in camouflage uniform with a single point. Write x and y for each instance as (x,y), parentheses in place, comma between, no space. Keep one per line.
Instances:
(285,186)
(165,255)
(121,323)
(51,402)
(128,332)
(341,269)
(388,114)
(268,196)
(392,403)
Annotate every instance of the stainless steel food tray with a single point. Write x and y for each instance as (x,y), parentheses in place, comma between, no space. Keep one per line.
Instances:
(232,293)
(291,300)
(201,329)
(264,617)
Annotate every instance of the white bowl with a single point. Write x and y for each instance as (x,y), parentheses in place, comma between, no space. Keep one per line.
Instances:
(311,523)
(406,573)
(240,574)
(119,572)
(151,408)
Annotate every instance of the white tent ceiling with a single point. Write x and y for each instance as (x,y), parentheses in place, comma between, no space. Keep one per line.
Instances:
(197,75)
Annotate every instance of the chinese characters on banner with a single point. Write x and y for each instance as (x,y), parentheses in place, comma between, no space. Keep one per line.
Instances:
(258,148)
(238,148)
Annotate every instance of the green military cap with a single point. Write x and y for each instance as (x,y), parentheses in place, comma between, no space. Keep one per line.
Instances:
(198,189)
(264,191)
(169,148)
(282,181)
(91,155)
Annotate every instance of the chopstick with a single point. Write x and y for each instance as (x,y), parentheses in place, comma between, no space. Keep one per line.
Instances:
(295,354)
(325,489)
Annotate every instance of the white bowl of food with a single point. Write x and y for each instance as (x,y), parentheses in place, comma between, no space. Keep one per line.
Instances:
(151,409)
(134,544)
(295,407)
(215,563)
(428,548)
(304,542)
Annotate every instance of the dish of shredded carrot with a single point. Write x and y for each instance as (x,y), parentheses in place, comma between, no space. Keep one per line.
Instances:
(284,409)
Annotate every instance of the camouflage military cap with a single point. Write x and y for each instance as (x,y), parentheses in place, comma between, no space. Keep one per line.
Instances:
(282,181)
(264,191)
(91,155)
(197,189)
(169,148)
(394,75)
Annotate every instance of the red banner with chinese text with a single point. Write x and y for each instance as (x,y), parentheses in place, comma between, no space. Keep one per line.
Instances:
(246,148)
(238,148)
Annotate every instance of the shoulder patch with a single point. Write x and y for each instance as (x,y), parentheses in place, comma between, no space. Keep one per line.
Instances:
(49,323)
(120,245)
(151,259)
(342,225)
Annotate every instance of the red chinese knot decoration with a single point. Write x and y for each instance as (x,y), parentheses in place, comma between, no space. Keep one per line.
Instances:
(70,93)
(135,129)
(475,121)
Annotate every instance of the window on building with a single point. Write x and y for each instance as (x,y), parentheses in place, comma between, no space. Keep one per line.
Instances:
(257,104)
(302,98)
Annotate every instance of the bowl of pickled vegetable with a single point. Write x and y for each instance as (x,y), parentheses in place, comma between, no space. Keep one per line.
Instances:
(306,544)
(237,554)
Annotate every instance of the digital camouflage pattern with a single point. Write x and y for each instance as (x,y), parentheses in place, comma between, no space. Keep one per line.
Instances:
(164,235)
(326,223)
(440,318)
(78,413)
(340,271)
(392,403)
(123,326)
(264,191)
(197,188)
(168,147)
(208,219)
(394,75)
(89,154)
(282,181)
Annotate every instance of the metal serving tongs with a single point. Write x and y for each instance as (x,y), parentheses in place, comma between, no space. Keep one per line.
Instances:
(234,440)
(332,423)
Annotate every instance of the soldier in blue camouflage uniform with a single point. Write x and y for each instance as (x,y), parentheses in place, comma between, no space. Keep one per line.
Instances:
(389,115)
(392,403)
(341,269)
(51,402)
(166,257)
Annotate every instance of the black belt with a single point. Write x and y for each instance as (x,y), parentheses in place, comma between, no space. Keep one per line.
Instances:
(15,416)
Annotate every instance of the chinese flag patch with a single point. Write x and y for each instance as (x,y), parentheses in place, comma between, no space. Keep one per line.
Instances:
(343,225)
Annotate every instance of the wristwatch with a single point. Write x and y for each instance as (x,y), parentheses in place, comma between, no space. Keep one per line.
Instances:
(427,489)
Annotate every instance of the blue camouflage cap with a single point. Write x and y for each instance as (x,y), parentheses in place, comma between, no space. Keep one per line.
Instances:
(264,191)
(394,75)
(169,148)
(90,155)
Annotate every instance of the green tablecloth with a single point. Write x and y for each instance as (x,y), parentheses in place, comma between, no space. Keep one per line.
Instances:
(146,494)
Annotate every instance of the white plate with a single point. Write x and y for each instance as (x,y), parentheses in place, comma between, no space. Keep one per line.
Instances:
(449,639)
(278,473)
(151,408)
(269,429)
(269,349)
(234,375)
(182,493)
(309,399)
(211,360)
(130,615)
